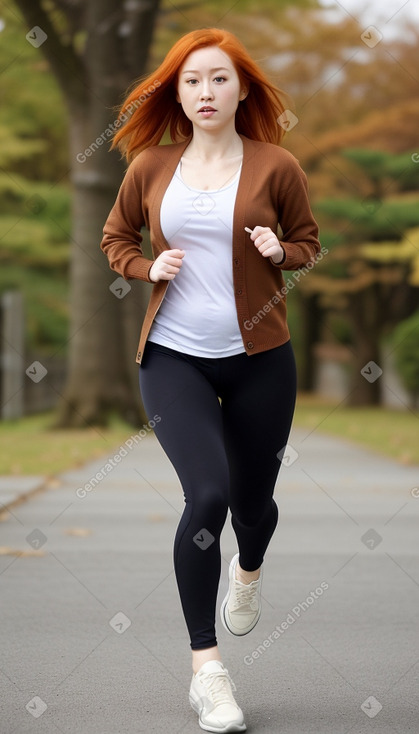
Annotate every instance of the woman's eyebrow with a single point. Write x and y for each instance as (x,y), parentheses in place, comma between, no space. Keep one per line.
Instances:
(194,71)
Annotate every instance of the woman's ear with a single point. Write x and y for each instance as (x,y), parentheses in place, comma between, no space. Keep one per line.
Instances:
(243,94)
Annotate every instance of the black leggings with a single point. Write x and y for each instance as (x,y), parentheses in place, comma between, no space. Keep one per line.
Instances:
(225,455)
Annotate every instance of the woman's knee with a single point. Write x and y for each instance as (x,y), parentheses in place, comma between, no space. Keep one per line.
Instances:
(252,516)
(210,507)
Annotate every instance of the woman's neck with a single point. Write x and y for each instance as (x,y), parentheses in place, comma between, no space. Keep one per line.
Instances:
(207,146)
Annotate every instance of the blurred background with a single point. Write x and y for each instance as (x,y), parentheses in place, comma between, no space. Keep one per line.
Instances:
(69,327)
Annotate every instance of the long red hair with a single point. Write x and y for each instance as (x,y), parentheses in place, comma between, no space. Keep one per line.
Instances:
(151,107)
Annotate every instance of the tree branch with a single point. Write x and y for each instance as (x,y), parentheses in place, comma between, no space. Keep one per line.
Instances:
(140,18)
(118,31)
(62,58)
(75,13)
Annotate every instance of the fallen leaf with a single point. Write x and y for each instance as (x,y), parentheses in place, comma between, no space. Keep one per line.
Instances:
(53,483)
(5,551)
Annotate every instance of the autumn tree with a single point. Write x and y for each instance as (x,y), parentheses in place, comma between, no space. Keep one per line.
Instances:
(373,285)
(95,50)
(356,134)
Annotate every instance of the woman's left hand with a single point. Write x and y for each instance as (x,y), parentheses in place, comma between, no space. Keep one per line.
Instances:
(267,243)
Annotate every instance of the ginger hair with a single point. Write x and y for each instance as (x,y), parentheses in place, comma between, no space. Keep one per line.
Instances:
(151,107)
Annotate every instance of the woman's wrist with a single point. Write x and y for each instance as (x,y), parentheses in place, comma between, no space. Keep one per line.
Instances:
(280,257)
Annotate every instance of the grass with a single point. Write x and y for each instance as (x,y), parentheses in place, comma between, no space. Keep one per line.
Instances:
(32,446)
(392,433)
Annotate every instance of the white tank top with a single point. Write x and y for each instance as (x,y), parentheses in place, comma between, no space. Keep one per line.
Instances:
(198,314)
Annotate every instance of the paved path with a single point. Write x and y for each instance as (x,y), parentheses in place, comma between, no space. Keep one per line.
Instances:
(93,641)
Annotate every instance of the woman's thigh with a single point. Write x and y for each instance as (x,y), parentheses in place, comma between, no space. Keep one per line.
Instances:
(258,409)
(190,429)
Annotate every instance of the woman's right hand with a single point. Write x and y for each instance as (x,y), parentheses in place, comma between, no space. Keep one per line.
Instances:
(166,266)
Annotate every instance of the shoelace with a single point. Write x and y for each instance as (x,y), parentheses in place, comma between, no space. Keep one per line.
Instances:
(217,686)
(245,595)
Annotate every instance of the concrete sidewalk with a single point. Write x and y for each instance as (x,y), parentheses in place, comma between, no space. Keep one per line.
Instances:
(93,639)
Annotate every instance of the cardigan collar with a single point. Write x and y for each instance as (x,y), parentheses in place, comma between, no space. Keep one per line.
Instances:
(169,157)
(171,154)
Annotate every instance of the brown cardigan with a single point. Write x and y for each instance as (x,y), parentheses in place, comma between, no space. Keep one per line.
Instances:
(272,191)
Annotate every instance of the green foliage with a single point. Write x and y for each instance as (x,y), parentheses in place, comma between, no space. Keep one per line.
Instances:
(371,161)
(15,149)
(293,319)
(218,9)
(34,255)
(33,244)
(34,225)
(380,166)
(330,238)
(46,304)
(33,121)
(39,200)
(371,219)
(406,342)
(34,209)
(340,328)
(404,171)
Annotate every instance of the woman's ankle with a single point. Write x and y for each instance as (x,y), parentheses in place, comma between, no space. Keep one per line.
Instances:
(200,657)
(246,577)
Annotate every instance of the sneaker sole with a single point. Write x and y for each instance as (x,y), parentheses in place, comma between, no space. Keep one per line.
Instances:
(224,605)
(207,727)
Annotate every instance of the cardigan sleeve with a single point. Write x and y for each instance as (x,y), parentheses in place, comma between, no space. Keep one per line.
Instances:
(122,238)
(299,238)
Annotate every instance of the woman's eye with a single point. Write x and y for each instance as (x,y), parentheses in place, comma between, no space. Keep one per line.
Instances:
(194,82)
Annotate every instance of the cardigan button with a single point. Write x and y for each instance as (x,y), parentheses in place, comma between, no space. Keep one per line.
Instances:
(236,260)
(138,355)
(250,345)
(239,292)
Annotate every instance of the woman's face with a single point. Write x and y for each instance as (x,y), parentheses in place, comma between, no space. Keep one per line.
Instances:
(209,89)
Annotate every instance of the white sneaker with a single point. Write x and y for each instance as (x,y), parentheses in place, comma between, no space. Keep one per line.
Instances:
(211,696)
(241,608)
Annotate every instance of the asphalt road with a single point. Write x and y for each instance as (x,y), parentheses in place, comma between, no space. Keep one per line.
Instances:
(93,640)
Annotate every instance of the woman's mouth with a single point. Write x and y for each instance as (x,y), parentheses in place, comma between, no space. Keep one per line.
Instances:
(206,111)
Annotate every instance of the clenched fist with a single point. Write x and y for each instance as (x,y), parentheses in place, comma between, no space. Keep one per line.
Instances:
(167,265)
(267,243)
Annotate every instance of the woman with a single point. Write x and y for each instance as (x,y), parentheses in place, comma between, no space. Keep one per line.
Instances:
(216,362)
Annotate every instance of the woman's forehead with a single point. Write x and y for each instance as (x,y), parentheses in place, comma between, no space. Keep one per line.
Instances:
(210,58)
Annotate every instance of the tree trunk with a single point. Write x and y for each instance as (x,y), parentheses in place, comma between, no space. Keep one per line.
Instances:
(104,324)
(311,316)
(99,379)
(364,314)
